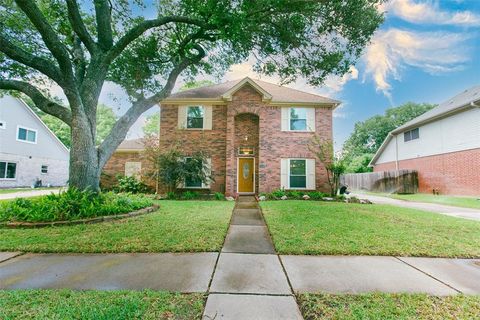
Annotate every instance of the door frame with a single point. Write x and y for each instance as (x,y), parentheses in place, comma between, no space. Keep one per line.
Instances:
(238,174)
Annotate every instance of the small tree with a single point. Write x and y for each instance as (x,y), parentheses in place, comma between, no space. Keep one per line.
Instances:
(334,166)
(173,167)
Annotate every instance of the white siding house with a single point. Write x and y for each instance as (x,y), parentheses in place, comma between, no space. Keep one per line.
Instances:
(28,149)
(443,145)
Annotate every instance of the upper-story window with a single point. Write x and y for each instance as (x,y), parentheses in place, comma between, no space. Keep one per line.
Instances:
(195,116)
(298,119)
(44,169)
(411,135)
(26,135)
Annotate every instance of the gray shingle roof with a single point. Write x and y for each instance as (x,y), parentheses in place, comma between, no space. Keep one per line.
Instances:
(134,144)
(278,93)
(457,102)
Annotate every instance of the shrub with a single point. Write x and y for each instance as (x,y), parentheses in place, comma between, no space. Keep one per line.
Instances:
(190,195)
(171,195)
(219,196)
(317,195)
(296,195)
(130,184)
(277,194)
(71,205)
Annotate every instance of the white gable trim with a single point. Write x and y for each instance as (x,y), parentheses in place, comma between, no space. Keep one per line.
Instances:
(44,125)
(266,97)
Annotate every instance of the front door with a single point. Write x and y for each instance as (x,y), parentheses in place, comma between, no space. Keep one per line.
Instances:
(246,174)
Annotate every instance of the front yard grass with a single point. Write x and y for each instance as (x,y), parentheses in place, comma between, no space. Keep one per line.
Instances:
(382,306)
(465,202)
(178,226)
(310,227)
(70,304)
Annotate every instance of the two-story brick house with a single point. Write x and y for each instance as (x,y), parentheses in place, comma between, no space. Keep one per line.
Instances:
(256,134)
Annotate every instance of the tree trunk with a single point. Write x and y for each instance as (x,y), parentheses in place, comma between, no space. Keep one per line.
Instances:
(84,163)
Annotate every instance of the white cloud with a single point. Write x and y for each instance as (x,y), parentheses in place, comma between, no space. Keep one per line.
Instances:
(394,49)
(429,12)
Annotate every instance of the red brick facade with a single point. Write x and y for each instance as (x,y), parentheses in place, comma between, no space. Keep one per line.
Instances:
(246,115)
(451,173)
(116,167)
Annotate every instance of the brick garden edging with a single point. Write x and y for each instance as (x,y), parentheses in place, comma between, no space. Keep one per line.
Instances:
(81,221)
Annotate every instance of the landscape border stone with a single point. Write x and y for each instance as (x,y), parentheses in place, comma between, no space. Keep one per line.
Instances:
(28,225)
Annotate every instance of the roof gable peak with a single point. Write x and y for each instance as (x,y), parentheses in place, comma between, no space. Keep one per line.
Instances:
(227,96)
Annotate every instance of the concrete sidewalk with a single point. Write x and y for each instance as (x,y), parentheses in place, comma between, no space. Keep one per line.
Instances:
(27,193)
(465,213)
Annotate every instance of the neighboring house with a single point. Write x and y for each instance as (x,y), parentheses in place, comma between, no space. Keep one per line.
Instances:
(443,145)
(28,149)
(256,135)
(126,161)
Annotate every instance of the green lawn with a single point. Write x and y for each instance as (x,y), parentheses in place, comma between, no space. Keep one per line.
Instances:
(111,305)
(309,227)
(383,306)
(178,226)
(465,202)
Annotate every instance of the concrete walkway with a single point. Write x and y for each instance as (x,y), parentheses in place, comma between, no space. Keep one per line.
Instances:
(466,213)
(27,193)
(249,281)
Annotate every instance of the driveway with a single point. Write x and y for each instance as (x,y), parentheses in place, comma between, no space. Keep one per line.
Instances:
(26,193)
(466,213)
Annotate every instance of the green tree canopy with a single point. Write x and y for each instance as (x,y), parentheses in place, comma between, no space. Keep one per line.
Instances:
(79,45)
(368,135)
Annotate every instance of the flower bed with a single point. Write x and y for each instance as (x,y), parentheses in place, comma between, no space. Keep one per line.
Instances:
(71,205)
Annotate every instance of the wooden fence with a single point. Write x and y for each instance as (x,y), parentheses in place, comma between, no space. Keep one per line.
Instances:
(401,181)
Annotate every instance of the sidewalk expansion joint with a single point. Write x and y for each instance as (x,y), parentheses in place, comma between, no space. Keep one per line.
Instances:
(253,294)
(429,275)
(13,257)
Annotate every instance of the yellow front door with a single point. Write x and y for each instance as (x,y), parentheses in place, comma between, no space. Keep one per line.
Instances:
(246,171)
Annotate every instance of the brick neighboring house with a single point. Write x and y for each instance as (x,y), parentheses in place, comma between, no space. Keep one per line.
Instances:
(255,133)
(126,160)
(443,145)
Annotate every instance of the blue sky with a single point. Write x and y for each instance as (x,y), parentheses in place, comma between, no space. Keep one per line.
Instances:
(426,51)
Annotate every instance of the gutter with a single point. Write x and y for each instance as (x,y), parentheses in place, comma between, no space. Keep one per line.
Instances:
(474,105)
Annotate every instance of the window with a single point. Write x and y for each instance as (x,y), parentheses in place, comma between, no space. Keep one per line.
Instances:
(298,174)
(3,125)
(27,135)
(411,135)
(133,169)
(193,183)
(8,170)
(195,115)
(298,119)
(44,169)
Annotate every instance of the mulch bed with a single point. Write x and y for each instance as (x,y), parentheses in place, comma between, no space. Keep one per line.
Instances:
(81,221)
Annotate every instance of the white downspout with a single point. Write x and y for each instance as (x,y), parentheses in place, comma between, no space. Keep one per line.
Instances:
(396,152)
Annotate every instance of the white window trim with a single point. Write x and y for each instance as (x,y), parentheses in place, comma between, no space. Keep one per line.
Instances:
(289,120)
(16,170)
(29,129)
(186,117)
(306,174)
(408,141)
(4,124)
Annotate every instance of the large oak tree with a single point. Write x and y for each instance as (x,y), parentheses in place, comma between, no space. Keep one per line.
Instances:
(79,45)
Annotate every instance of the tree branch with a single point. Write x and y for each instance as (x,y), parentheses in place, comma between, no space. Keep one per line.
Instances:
(139,29)
(120,129)
(103,16)
(79,27)
(49,36)
(18,54)
(39,99)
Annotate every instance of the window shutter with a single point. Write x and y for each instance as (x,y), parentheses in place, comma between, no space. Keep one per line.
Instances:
(209,172)
(285,118)
(207,120)
(311,174)
(310,119)
(284,173)
(182,117)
